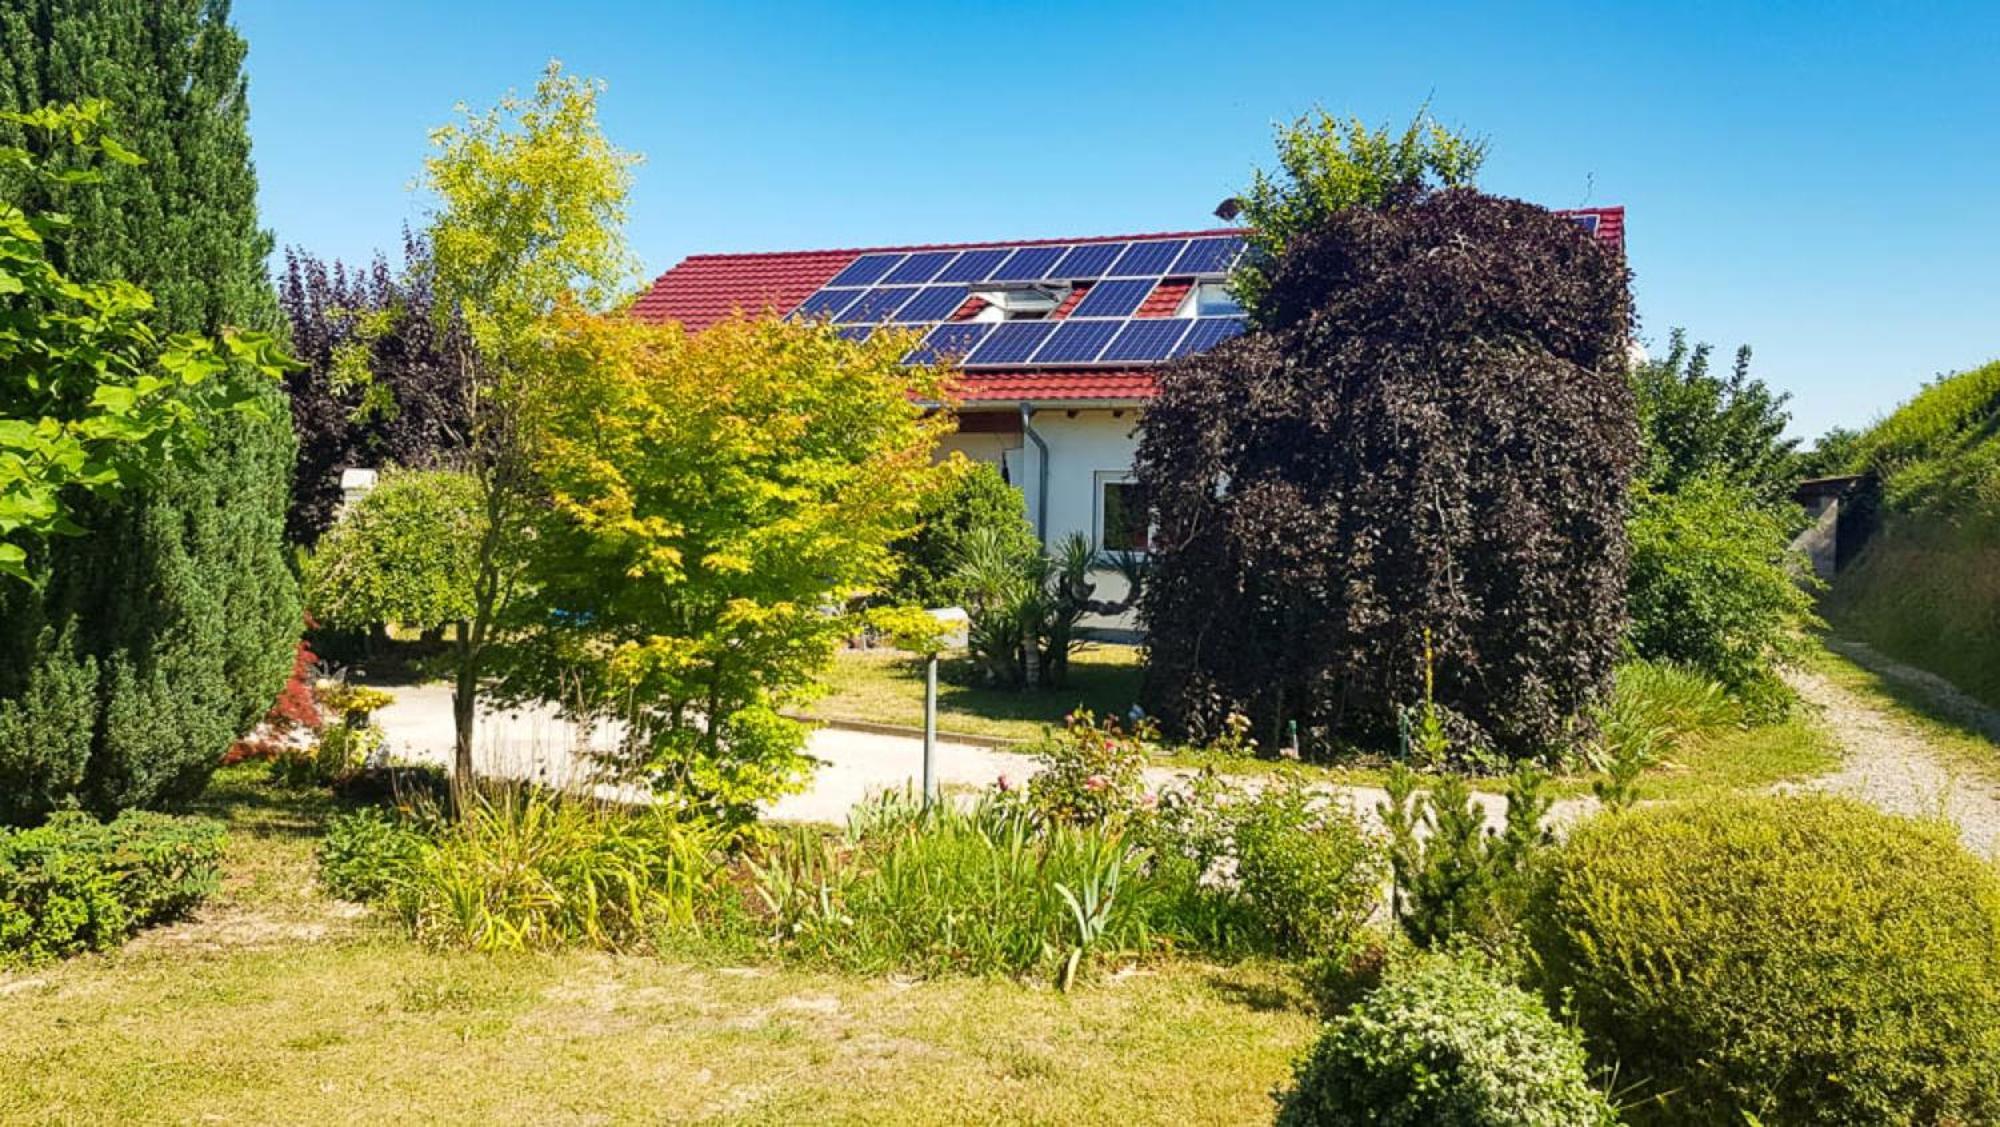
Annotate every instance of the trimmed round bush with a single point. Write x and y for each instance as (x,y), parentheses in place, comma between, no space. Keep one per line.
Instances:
(1443,1043)
(1802,958)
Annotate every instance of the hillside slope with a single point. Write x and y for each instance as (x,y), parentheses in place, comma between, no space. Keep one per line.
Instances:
(1926,590)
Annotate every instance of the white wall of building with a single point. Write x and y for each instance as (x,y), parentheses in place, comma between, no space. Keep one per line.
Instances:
(1086,447)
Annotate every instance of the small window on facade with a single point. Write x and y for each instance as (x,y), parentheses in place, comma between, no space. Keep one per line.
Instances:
(1122,522)
(1212,299)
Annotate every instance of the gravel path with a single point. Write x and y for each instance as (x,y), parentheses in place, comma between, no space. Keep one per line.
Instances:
(1892,763)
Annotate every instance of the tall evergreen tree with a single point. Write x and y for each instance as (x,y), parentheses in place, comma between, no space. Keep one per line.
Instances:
(160,636)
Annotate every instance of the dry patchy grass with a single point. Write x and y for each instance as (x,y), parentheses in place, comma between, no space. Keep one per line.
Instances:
(278,1005)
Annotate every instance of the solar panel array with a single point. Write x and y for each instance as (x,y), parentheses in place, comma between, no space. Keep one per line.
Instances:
(922,290)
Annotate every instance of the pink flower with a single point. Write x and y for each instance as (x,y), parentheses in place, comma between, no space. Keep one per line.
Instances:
(1004,784)
(1096,783)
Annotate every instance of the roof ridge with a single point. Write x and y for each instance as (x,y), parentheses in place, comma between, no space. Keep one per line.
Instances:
(985,245)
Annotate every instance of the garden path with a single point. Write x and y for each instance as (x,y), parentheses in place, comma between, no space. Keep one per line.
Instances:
(1893,763)
(1890,761)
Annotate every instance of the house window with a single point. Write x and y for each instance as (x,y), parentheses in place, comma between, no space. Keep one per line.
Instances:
(1123,524)
(1213,299)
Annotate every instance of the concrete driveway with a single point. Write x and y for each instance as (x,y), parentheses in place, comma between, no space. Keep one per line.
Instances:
(536,744)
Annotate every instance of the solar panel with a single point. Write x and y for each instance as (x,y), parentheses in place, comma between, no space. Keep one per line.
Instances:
(1587,222)
(1152,339)
(1141,259)
(826,303)
(1208,256)
(1207,332)
(1012,342)
(933,303)
(855,332)
(973,265)
(1113,299)
(878,303)
(866,270)
(949,342)
(918,268)
(1028,264)
(1076,342)
(1088,261)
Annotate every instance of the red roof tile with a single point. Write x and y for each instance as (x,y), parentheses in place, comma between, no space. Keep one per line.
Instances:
(1076,293)
(1166,298)
(1053,385)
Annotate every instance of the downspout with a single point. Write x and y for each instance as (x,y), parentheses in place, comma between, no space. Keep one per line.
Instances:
(1041,476)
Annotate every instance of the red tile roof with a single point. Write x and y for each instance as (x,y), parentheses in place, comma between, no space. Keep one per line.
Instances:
(1165,299)
(1054,385)
(705,288)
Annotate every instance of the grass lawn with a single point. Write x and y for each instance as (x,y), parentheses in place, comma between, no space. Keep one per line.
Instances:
(886,687)
(280,1006)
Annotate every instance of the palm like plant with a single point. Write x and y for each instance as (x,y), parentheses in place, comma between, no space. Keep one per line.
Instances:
(1025,607)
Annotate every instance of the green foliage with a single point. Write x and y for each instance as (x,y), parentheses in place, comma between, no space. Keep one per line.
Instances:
(1714,587)
(1653,708)
(76,884)
(529,223)
(524,868)
(369,853)
(1835,453)
(1091,773)
(1443,1042)
(1806,959)
(971,496)
(990,889)
(162,636)
(91,400)
(1453,878)
(711,496)
(1939,454)
(1025,604)
(1926,589)
(1310,871)
(1329,490)
(404,554)
(1326,165)
(1697,425)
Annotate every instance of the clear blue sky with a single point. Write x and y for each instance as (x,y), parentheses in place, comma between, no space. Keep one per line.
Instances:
(1820,180)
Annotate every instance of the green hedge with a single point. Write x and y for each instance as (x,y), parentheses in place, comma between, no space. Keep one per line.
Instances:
(76,884)
(1444,1043)
(1802,958)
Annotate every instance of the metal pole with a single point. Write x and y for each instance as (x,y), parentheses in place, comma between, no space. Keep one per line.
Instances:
(930,727)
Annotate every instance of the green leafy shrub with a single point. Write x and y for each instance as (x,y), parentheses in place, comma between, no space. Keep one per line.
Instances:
(1655,705)
(1454,878)
(1308,868)
(992,889)
(76,884)
(1091,772)
(1805,959)
(1443,1043)
(972,496)
(527,868)
(1714,586)
(369,853)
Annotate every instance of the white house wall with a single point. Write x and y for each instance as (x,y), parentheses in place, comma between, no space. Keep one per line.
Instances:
(1084,447)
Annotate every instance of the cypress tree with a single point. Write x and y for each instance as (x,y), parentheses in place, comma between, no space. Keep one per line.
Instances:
(163,633)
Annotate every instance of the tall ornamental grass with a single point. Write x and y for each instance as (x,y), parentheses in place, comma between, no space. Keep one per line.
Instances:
(985,889)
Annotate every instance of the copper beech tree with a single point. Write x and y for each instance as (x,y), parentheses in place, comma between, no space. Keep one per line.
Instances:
(1429,435)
